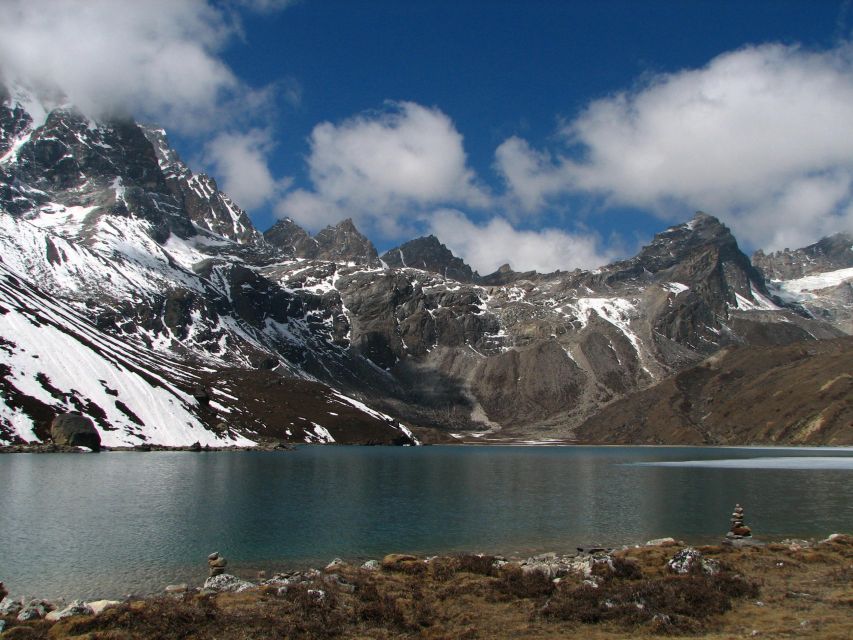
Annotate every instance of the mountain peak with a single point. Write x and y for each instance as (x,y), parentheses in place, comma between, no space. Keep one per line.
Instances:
(429,254)
(345,243)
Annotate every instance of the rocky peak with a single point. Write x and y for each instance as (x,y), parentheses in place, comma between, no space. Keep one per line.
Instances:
(345,243)
(429,254)
(207,206)
(291,238)
(828,254)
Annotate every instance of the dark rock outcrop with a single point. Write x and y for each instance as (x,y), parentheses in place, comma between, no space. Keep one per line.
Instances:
(75,430)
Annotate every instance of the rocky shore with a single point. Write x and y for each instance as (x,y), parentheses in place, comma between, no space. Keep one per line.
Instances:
(770,589)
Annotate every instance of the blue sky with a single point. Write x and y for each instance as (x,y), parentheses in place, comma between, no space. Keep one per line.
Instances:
(546,134)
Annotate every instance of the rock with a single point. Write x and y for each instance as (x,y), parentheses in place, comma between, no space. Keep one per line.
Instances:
(75,430)
(371,565)
(662,542)
(2,625)
(3,591)
(738,529)
(201,395)
(98,606)
(34,610)
(177,588)
(839,538)
(399,561)
(76,608)
(10,607)
(227,583)
(690,560)
(335,564)
(216,564)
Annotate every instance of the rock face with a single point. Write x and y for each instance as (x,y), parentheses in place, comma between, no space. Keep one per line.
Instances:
(75,430)
(429,254)
(117,255)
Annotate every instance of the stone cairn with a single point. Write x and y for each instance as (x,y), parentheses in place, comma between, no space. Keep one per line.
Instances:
(738,529)
(216,564)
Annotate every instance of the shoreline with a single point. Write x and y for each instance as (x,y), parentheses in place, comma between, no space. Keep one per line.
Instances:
(47,448)
(531,589)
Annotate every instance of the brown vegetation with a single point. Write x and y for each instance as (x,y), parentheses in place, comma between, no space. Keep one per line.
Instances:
(780,590)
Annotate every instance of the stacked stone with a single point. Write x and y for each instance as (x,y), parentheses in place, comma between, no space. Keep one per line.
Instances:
(216,564)
(738,529)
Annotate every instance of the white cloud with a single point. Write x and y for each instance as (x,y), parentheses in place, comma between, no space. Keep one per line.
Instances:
(383,165)
(489,245)
(761,137)
(157,59)
(240,162)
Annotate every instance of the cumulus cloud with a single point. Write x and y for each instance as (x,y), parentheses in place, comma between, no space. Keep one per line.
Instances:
(157,59)
(240,160)
(762,137)
(489,245)
(379,166)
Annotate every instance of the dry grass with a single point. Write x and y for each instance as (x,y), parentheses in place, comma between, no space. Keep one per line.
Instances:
(775,591)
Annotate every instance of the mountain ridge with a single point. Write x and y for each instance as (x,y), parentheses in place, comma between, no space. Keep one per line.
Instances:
(106,219)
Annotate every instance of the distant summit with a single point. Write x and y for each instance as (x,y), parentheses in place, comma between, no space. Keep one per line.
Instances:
(342,242)
(429,254)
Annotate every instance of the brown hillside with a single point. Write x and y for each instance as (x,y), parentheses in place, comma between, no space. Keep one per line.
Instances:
(797,394)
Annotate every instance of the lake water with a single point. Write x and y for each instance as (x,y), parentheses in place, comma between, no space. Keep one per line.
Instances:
(104,525)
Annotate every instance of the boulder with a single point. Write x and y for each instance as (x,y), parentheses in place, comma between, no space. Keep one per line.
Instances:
(225,582)
(181,588)
(76,608)
(10,607)
(98,606)
(3,591)
(75,430)
(34,610)
(371,565)
(689,560)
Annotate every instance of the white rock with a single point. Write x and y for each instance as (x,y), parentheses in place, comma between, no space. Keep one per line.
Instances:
(98,606)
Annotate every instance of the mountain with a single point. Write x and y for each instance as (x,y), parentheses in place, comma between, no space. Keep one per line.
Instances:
(339,243)
(795,394)
(429,254)
(148,271)
(817,278)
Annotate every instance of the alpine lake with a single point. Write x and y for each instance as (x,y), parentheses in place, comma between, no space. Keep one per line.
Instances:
(117,523)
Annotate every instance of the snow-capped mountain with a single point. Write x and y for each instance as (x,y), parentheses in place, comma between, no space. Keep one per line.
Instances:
(818,278)
(118,260)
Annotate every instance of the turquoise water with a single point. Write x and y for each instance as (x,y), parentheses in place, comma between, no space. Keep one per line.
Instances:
(109,524)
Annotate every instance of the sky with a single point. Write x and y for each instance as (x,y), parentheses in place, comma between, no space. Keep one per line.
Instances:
(548,135)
